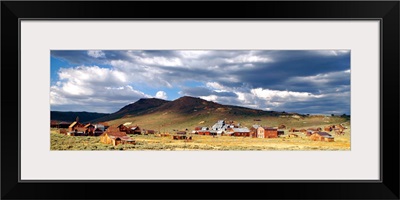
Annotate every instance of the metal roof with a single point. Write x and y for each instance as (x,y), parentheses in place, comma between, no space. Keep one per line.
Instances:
(241,130)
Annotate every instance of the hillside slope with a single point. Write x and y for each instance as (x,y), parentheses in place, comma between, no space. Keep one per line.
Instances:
(142,106)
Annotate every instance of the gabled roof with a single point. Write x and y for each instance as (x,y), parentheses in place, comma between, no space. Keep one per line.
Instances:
(87,125)
(116,134)
(324,134)
(134,127)
(73,124)
(255,126)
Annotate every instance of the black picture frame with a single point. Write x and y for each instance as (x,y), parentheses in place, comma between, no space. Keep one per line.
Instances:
(386,11)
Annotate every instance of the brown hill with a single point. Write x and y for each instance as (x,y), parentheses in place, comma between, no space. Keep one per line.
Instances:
(189,112)
(187,105)
(142,106)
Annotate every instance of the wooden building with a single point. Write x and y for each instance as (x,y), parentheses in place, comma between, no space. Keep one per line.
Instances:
(135,130)
(241,132)
(53,124)
(123,128)
(260,132)
(322,136)
(328,128)
(315,129)
(89,129)
(181,137)
(98,132)
(115,137)
(75,126)
(150,132)
(271,132)
(64,124)
(203,132)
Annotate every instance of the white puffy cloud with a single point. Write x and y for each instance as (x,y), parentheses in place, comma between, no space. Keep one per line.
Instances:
(248,59)
(163,61)
(96,53)
(268,94)
(91,88)
(161,95)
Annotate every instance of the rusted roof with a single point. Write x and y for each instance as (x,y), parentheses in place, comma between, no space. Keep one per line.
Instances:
(115,134)
(324,134)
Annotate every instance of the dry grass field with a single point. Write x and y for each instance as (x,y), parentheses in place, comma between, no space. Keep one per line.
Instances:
(199,142)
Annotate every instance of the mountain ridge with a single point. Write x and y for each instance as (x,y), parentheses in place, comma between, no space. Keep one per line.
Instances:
(185,105)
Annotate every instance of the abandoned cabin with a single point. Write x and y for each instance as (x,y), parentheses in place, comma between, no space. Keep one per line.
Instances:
(135,130)
(115,137)
(322,136)
(75,126)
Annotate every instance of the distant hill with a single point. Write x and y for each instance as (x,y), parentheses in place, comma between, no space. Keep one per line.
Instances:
(71,116)
(142,106)
(184,106)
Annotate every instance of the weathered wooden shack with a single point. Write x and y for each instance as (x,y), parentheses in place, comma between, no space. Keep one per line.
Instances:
(89,129)
(115,137)
(122,128)
(328,128)
(64,124)
(98,132)
(270,132)
(53,124)
(181,137)
(150,132)
(315,129)
(75,126)
(322,136)
(260,132)
(135,130)
(241,132)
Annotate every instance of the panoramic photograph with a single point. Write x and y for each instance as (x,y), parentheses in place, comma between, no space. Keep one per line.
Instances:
(199,100)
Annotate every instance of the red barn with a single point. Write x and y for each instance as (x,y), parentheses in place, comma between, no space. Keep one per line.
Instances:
(271,132)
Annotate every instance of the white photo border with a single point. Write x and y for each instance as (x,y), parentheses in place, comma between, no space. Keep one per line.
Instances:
(362,37)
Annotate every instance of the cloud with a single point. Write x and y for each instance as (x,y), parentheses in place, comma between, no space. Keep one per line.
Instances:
(96,54)
(265,79)
(204,91)
(86,87)
(161,95)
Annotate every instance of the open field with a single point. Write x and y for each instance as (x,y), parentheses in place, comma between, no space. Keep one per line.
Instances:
(151,142)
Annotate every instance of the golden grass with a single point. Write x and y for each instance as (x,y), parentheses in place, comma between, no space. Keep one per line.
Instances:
(199,142)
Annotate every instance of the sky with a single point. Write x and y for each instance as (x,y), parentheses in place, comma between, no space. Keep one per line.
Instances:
(302,81)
